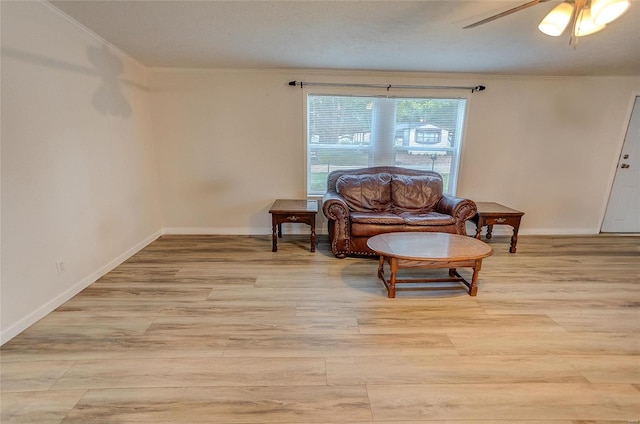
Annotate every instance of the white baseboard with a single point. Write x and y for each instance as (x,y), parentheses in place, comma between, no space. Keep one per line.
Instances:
(498,230)
(506,230)
(210,231)
(551,231)
(244,231)
(54,303)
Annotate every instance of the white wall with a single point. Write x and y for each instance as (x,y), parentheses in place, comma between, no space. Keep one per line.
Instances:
(79,181)
(230,142)
(549,147)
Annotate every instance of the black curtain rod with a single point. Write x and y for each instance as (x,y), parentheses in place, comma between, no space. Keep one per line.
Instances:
(386,86)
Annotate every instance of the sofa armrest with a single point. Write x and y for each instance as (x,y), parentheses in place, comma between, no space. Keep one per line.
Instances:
(460,209)
(334,207)
(337,212)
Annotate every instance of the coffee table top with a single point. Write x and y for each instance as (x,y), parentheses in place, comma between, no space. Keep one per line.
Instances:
(429,246)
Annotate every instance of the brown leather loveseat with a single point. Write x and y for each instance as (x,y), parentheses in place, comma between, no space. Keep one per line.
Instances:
(361,203)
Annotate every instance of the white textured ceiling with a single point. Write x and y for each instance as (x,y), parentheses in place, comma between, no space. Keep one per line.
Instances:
(424,36)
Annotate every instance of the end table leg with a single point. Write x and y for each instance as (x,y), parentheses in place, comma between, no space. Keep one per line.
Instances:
(514,240)
(274,237)
(313,237)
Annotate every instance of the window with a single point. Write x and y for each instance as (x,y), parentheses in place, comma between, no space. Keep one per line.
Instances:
(354,132)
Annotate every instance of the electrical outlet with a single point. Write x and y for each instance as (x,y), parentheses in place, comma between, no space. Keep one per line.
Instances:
(60,267)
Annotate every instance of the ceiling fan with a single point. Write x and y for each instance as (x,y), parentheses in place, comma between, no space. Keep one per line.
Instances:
(585,16)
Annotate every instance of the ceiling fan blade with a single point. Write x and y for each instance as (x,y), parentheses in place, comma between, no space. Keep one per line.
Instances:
(505,13)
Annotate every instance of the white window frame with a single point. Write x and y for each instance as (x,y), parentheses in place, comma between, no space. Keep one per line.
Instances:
(372,92)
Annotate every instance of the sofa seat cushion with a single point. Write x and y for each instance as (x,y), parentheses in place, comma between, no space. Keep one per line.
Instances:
(387,218)
(366,192)
(415,193)
(368,230)
(429,218)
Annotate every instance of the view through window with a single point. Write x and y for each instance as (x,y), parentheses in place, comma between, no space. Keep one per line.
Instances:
(354,132)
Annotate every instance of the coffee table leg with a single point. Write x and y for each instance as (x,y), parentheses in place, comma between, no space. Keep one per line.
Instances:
(489,230)
(393,264)
(473,289)
(381,267)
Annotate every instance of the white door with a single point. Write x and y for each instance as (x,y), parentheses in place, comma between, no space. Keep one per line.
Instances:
(623,210)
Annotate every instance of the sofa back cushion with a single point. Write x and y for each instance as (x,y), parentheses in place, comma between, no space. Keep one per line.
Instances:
(415,193)
(366,192)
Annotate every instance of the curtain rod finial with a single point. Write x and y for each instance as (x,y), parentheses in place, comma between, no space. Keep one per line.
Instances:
(478,88)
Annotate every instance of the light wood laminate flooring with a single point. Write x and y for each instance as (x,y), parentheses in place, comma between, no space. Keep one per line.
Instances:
(219,329)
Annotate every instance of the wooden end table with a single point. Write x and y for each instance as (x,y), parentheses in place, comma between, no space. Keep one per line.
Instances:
(490,214)
(293,211)
(428,250)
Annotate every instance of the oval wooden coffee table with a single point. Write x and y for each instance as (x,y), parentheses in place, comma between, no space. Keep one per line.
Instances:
(429,250)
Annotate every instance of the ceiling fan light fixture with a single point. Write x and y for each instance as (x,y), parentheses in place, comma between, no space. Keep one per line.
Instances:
(557,20)
(605,11)
(585,25)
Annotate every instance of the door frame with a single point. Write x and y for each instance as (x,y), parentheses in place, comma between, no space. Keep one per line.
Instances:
(616,161)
